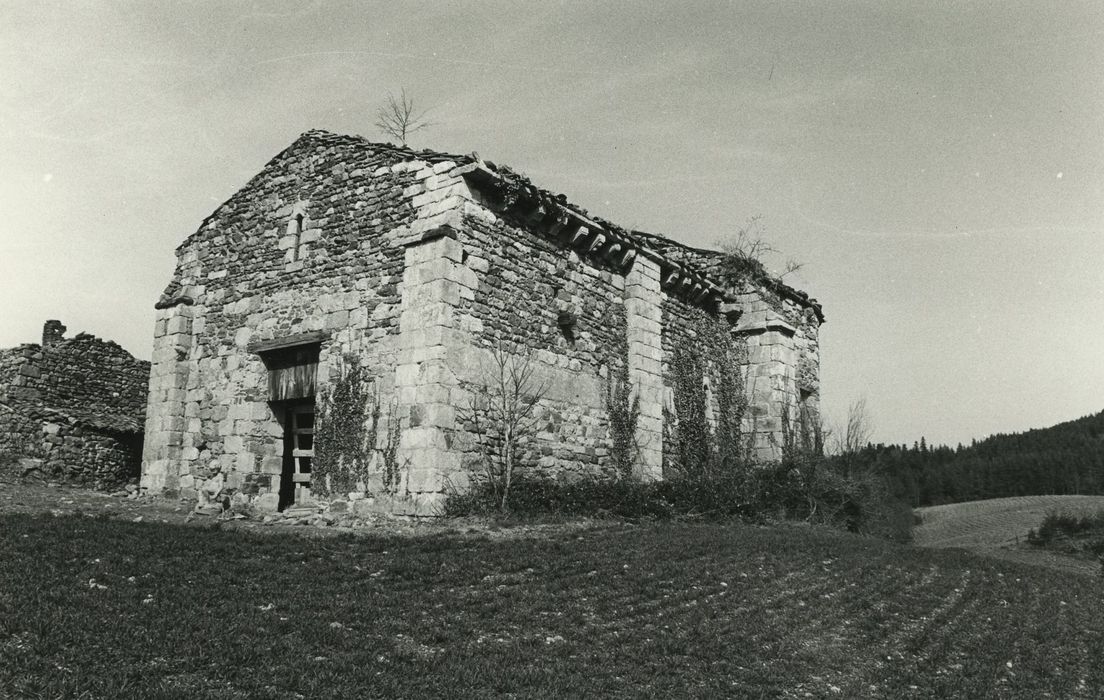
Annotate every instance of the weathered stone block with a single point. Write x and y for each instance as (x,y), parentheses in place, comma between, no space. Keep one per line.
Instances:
(272,465)
(178,323)
(245,462)
(266,502)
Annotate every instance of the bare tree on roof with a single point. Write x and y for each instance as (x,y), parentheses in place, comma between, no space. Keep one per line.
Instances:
(399,118)
(746,248)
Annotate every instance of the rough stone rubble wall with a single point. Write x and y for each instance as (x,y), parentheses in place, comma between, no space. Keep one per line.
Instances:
(11,359)
(75,407)
(690,328)
(53,446)
(85,374)
(521,284)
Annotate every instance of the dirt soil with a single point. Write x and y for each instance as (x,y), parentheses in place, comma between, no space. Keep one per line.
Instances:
(39,498)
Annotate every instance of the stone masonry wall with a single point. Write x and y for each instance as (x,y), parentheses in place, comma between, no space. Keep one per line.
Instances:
(11,359)
(644,340)
(404,261)
(526,284)
(707,337)
(55,446)
(83,374)
(256,271)
(783,369)
(75,406)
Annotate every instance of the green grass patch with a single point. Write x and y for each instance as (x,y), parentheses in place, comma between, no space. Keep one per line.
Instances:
(92,607)
(1078,534)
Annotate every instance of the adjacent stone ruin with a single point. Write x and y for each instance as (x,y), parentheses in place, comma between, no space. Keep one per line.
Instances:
(414,268)
(72,409)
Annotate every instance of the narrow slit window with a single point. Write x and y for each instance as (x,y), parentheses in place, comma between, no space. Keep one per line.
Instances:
(298,237)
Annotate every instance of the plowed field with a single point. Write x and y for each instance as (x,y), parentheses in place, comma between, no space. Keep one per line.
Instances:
(93,607)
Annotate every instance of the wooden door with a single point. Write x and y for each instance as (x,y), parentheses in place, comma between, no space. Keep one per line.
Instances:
(298,454)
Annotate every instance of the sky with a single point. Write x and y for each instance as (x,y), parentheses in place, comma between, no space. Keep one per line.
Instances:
(937,167)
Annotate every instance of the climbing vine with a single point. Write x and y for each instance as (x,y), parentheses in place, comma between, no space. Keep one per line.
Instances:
(703,373)
(345,435)
(693,436)
(389,454)
(623,407)
(732,400)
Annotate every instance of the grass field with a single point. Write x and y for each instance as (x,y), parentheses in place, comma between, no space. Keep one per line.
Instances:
(93,607)
(997,526)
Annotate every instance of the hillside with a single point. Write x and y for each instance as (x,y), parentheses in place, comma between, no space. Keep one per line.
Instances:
(999,527)
(102,608)
(1067,458)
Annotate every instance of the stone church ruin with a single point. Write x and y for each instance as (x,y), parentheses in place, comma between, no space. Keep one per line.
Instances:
(73,409)
(409,270)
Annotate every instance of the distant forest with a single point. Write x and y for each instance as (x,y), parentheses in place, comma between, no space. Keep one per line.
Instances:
(1067,458)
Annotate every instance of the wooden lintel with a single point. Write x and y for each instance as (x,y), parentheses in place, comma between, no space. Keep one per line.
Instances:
(288,341)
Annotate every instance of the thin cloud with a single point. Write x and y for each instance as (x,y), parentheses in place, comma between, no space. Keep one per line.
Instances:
(434,58)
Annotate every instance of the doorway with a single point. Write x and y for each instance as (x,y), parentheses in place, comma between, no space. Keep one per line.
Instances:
(295,479)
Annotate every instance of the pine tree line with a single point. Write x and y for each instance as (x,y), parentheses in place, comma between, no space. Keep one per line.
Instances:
(1064,459)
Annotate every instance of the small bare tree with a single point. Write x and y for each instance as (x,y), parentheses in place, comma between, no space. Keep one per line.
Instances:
(792,265)
(747,242)
(399,118)
(503,410)
(855,433)
(745,249)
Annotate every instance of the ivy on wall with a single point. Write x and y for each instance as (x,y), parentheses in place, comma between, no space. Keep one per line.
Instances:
(706,374)
(692,432)
(622,405)
(389,454)
(732,446)
(345,434)
(802,433)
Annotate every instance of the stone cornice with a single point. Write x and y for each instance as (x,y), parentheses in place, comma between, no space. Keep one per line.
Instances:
(600,241)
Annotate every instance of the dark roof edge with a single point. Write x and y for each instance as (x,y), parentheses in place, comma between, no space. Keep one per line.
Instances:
(486,174)
(774,283)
